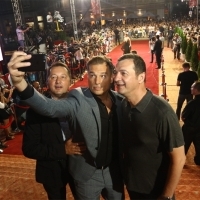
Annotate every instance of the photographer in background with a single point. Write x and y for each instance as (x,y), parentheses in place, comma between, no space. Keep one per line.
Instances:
(20,35)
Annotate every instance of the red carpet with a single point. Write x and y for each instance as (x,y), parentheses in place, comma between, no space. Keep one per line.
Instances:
(14,146)
(83,83)
(142,48)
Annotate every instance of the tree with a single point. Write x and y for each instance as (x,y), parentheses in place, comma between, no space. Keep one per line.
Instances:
(194,58)
(189,50)
(184,44)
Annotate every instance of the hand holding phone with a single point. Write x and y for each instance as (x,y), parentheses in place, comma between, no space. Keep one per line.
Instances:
(38,63)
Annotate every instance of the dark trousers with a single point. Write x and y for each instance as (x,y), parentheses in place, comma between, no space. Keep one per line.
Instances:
(152,55)
(181,99)
(177,51)
(117,39)
(169,43)
(158,58)
(137,196)
(55,192)
(192,134)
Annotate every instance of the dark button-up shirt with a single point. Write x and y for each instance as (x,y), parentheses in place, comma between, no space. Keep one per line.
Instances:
(107,150)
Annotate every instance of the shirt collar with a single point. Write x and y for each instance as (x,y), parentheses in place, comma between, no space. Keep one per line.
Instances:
(143,102)
(99,100)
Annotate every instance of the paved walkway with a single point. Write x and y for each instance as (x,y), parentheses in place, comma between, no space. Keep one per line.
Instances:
(172,68)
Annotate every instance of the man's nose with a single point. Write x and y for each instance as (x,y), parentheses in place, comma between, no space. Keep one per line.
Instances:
(98,80)
(58,79)
(117,76)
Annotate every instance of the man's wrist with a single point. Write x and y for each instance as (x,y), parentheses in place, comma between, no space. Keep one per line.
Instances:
(165,198)
(27,93)
(21,86)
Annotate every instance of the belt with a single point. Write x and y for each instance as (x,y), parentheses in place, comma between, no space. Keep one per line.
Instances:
(103,167)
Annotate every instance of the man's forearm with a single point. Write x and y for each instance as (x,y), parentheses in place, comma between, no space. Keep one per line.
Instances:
(174,173)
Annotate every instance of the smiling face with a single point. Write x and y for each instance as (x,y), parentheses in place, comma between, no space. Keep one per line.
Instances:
(99,79)
(58,82)
(127,82)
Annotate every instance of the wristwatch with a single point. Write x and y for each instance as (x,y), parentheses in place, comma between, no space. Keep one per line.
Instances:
(167,198)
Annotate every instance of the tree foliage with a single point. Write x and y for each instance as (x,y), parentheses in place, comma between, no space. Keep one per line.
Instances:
(189,51)
(184,44)
(194,58)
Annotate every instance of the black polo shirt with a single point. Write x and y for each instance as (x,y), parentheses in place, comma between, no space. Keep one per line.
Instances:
(107,149)
(150,130)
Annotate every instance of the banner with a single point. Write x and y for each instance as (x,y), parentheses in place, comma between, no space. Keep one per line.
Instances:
(192,3)
(96,7)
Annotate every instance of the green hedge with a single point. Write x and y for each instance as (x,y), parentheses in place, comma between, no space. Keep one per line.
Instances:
(189,51)
(194,58)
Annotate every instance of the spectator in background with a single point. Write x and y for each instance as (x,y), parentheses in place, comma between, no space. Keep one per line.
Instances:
(134,52)
(49,18)
(151,46)
(191,119)
(158,51)
(162,40)
(177,46)
(170,35)
(185,80)
(117,36)
(5,114)
(126,47)
(37,86)
(20,35)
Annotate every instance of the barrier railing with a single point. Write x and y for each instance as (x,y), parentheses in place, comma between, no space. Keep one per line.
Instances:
(163,84)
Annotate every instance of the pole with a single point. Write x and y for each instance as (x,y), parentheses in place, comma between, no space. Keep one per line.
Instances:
(73,13)
(99,3)
(197,13)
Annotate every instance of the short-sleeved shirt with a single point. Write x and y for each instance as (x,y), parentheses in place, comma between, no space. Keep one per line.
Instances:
(151,130)
(186,78)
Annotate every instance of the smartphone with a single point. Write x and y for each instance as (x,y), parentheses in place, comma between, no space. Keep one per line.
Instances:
(38,63)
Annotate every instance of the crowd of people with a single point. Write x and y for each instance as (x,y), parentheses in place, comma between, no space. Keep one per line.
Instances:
(98,140)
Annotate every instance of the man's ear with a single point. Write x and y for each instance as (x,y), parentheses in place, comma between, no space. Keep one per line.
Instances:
(112,78)
(141,77)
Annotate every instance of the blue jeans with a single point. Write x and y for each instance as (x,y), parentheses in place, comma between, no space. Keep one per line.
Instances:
(21,43)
